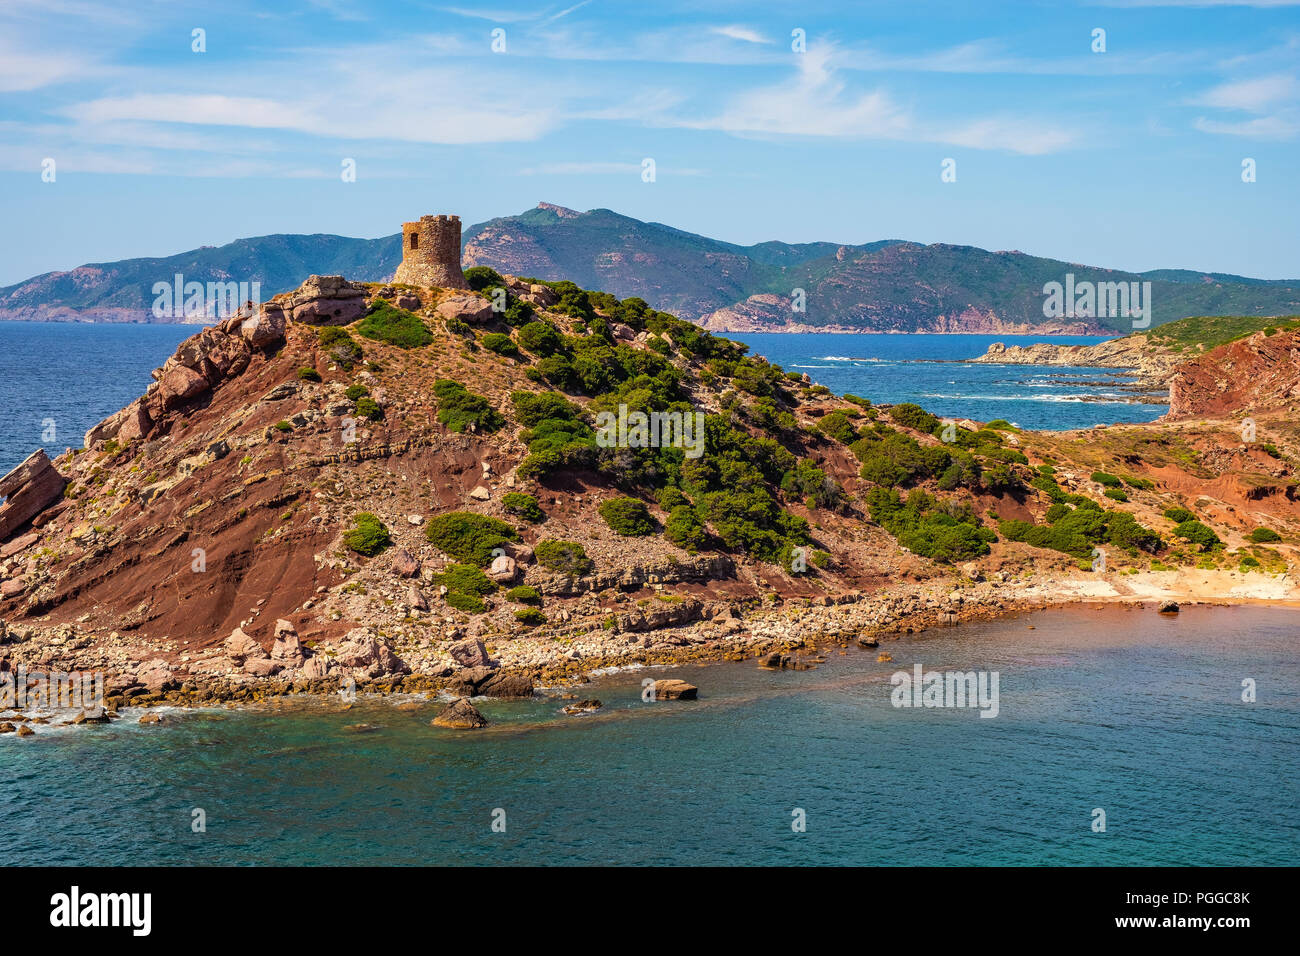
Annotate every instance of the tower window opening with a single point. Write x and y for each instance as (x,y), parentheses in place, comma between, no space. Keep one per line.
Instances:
(415,240)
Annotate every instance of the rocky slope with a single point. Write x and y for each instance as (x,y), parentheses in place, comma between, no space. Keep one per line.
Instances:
(205,546)
(1252,375)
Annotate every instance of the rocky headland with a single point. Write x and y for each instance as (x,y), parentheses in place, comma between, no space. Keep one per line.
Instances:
(284,509)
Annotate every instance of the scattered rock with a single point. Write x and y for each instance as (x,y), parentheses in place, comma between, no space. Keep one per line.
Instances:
(504,569)
(589,706)
(405,564)
(675,690)
(25,731)
(480,493)
(28,490)
(460,714)
(469,653)
(1168,607)
(467,308)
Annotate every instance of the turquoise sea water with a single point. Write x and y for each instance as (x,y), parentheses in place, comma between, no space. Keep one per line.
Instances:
(926,369)
(1119,709)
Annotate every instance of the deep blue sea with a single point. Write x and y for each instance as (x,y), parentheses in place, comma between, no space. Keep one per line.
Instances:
(69,376)
(926,369)
(1118,710)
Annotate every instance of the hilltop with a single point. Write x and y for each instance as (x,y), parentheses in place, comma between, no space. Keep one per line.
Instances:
(889,285)
(408,487)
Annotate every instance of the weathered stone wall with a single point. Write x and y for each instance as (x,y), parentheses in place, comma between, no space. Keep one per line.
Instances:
(431,253)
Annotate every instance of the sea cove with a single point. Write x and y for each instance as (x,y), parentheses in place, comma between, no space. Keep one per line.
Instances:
(1101,707)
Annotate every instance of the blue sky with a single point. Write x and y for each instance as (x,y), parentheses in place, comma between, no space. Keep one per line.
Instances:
(1128,158)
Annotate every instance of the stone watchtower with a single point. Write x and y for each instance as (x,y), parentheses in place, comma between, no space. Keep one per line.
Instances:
(431,253)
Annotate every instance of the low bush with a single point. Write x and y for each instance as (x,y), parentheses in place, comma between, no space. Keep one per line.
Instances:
(308,374)
(524,594)
(469,537)
(368,535)
(500,343)
(384,322)
(567,557)
(1263,536)
(522,506)
(460,409)
(530,616)
(627,516)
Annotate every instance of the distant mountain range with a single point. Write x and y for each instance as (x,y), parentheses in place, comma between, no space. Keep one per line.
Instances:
(886,286)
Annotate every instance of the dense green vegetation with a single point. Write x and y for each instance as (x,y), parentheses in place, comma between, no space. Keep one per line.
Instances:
(468,537)
(368,535)
(524,594)
(459,409)
(1263,535)
(943,530)
(567,557)
(627,516)
(1077,530)
(1207,332)
(340,346)
(384,322)
(466,587)
(1198,534)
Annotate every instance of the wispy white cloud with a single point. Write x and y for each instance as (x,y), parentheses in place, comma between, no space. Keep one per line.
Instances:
(605,168)
(1253,95)
(736,32)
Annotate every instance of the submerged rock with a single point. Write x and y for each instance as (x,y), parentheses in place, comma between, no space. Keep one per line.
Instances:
(1168,607)
(589,706)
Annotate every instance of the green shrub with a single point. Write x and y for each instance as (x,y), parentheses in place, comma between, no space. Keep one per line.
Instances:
(459,409)
(340,346)
(530,616)
(283,426)
(1106,480)
(942,530)
(523,506)
(1116,494)
(384,322)
(356,392)
(839,426)
(1263,535)
(467,579)
(911,415)
(685,530)
(1141,484)
(368,408)
(483,277)
(540,338)
(368,535)
(1179,515)
(500,343)
(1197,534)
(534,408)
(567,557)
(670,496)
(308,374)
(524,594)
(470,603)
(627,516)
(469,537)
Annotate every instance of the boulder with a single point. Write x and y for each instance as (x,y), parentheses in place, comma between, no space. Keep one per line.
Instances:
(265,328)
(467,308)
(316,668)
(241,647)
(21,543)
(469,653)
(287,649)
(156,676)
(460,714)
(326,300)
(480,493)
(262,666)
(503,569)
(589,706)
(12,587)
(361,650)
(179,384)
(467,681)
(1168,607)
(415,597)
(675,690)
(29,489)
(506,685)
(405,564)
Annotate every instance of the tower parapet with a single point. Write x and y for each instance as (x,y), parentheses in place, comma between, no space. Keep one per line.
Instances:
(431,253)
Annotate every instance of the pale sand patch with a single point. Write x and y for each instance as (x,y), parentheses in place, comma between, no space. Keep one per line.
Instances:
(1186,584)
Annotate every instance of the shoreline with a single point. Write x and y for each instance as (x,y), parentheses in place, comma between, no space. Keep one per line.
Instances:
(795,630)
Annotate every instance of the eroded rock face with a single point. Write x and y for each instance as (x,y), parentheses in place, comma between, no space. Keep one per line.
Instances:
(675,690)
(469,653)
(29,489)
